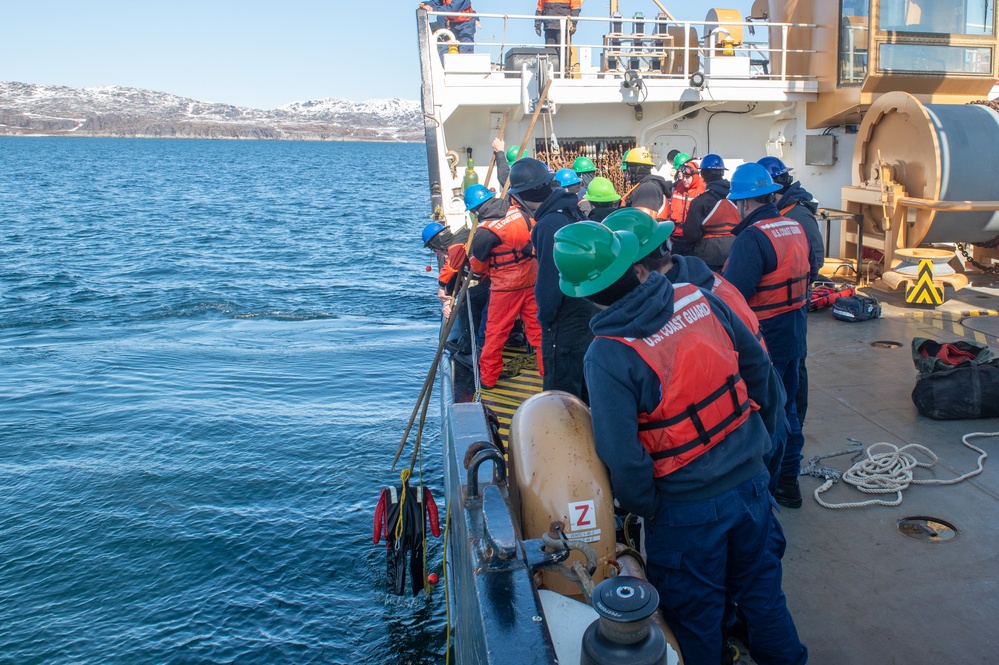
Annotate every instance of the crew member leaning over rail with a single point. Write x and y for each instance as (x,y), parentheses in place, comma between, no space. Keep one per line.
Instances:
(696,474)
(450,251)
(463,27)
(770,264)
(502,246)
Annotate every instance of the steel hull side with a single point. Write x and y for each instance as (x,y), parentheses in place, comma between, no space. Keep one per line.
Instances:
(497,615)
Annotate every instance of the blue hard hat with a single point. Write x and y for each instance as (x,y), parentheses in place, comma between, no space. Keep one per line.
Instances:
(476,195)
(750,181)
(567,177)
(712,161)
(430,230)
(774,166)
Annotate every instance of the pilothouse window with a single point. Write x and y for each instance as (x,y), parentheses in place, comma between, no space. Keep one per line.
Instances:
(954,17)
(932,59)
(854,22)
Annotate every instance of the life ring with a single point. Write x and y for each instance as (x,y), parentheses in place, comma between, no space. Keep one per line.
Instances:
(444,32)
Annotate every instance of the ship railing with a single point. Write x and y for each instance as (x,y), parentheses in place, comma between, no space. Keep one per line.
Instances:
(656,48)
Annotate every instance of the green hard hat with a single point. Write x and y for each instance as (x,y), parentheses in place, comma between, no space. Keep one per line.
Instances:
(681,159)
(650,233)
(601,190)
(583,165)
(511,154)
(590,257)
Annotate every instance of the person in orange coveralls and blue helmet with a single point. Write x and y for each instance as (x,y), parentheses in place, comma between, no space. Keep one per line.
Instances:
(502,247)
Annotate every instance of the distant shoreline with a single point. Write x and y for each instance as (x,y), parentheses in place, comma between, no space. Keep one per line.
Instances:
(290,139)
(28,109)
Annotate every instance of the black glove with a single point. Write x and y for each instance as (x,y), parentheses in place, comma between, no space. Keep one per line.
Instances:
(537,27)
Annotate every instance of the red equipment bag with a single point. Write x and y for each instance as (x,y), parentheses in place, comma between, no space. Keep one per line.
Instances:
(825,294)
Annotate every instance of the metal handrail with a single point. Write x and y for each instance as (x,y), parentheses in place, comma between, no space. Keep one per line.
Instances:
(745,48)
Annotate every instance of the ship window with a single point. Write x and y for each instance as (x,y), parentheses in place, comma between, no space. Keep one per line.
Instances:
(955,17)
(853,27)
(935,59)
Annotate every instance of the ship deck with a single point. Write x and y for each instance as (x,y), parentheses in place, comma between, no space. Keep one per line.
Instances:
(860,591)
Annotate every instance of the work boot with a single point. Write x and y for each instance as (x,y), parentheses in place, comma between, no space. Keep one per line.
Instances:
(788,493)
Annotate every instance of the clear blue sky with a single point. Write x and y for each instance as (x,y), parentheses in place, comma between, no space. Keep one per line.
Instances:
(250,53)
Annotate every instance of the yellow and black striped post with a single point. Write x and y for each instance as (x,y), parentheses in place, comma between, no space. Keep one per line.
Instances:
(924,292)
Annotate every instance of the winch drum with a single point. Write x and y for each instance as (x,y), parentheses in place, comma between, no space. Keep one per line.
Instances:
(939,152)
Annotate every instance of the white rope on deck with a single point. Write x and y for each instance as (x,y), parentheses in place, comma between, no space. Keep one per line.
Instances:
(891,471)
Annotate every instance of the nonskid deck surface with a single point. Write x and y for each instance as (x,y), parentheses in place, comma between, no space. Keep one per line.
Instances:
(860,591)
(510,392)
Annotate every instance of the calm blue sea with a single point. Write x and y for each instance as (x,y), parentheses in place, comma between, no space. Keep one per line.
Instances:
(208,352)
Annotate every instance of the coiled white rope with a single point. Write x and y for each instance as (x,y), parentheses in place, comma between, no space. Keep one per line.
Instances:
(891,471)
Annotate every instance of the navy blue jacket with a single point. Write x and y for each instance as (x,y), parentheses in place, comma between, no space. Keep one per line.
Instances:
(753,256)
(804,214)
(622,385)
(502,168)
(451,6)
(558,210)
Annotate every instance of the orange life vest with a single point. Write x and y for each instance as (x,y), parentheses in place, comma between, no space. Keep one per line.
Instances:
(721,220)
(662,214)
(786,288)
(460,19)
(452,265)
(737,303)
(703,397)
(680,202)
(512,265)
(558,7)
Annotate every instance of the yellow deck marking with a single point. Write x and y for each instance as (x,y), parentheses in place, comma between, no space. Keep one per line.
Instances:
(509,393)
(951,321)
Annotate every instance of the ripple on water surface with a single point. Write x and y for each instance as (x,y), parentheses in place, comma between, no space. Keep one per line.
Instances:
(209,352)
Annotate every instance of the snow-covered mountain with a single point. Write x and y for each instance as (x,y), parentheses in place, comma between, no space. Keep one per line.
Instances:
(120,111)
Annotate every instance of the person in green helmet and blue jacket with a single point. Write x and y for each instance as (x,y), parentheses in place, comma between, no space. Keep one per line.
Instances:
(675,378)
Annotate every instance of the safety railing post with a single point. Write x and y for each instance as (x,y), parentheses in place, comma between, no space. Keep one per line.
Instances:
(783,53)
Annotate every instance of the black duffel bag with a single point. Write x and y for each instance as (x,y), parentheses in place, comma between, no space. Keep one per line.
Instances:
(856,308)
(969,390)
